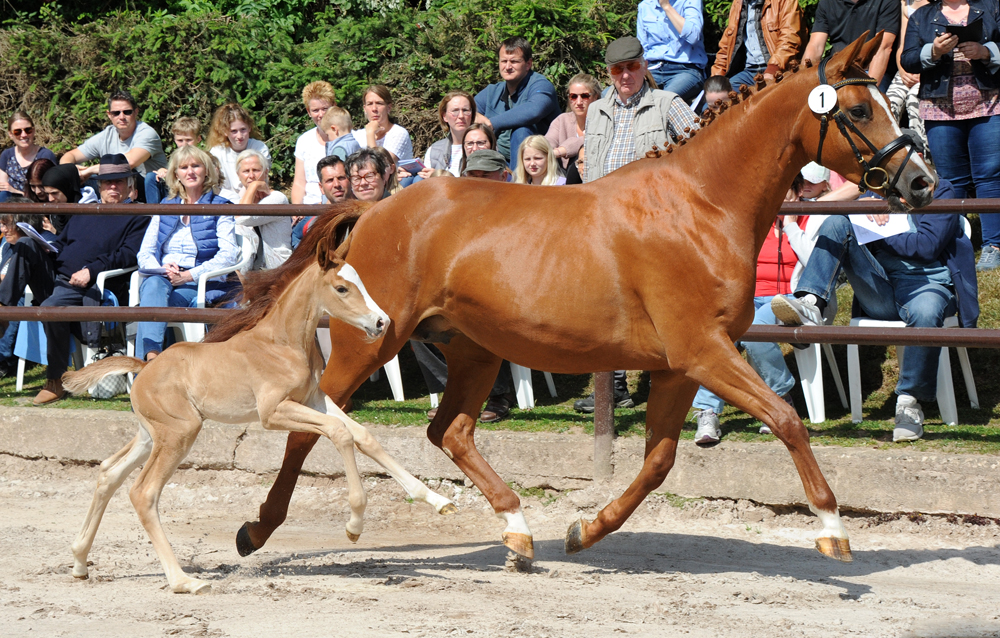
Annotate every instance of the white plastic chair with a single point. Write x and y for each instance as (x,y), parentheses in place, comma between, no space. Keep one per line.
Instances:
(190,331)
(391,369)
(810,363)
(945,387)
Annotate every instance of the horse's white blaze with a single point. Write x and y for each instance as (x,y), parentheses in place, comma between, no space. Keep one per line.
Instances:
(833,527)
(516,523)
(347,272)
(915,158)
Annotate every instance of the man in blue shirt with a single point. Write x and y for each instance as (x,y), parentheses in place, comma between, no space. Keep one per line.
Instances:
(522,104)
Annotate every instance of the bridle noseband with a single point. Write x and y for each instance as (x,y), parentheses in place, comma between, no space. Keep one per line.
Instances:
(875,177)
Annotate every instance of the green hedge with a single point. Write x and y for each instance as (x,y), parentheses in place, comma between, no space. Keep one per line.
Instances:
(185,57)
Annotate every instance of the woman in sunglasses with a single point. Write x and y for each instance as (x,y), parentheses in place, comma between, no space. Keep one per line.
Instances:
(566,131)
(14,161)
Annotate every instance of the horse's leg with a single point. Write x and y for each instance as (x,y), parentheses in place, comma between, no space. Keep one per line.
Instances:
(670,395)
(172,440)
(293,416)
(371,448)
(113,472)
(732,378)
(273,510)
(471,373)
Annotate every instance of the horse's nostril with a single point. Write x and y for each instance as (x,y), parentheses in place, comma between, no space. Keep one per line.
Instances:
(919,184)
(379,325)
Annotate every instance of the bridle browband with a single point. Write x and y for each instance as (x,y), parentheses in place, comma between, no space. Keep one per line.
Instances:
(872,167)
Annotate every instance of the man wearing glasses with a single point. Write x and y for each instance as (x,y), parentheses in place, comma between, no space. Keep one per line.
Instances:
(620,129)
(136,140)
(522,104)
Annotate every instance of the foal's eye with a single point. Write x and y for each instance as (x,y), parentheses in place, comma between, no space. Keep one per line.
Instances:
(342,290)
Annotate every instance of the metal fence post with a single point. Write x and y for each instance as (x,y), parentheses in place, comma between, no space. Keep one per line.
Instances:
(604,425)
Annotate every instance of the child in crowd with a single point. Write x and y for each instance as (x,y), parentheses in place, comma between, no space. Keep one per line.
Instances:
(336,124)
(186,132)
(538,164)
(233,131)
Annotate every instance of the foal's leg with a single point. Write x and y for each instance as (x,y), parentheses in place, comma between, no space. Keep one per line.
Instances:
(293,416)
(670,395)
(113,472)
(371,448)
(732,378)
(471,373)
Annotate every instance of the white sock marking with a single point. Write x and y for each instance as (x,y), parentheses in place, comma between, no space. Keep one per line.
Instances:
(516,523)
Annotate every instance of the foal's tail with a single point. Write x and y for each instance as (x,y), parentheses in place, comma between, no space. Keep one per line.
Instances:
(80,381)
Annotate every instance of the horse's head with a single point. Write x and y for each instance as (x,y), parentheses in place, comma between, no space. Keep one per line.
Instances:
(850,129)
(343,295)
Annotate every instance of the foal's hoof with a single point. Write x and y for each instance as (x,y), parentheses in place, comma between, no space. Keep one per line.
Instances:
(519,543)
(448,510)
(244,545)
(575,539)
(352,537)
(839,548)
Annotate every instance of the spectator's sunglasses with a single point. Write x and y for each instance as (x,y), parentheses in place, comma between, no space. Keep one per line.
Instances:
(579,96)
(125,112)
(27,130)
(633,66)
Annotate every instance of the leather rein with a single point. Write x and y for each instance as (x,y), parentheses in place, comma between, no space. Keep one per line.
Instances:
(875,177)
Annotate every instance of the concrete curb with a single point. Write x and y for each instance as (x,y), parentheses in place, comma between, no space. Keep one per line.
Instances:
(862,479)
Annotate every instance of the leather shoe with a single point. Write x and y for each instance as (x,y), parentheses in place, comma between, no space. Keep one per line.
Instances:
(497,408)
(51,392)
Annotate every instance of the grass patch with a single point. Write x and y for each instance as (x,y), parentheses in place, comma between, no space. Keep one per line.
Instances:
(676,500)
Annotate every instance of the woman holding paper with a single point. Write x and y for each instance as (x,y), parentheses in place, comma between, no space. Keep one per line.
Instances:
(177,249)
(953,45)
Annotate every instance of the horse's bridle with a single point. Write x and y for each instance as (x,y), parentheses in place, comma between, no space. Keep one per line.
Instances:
(871,168)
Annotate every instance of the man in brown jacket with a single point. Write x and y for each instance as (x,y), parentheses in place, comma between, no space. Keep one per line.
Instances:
(762,36)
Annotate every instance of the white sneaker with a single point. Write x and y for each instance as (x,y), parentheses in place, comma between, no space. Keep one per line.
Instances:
(909,420)
(797,312)
(709,429)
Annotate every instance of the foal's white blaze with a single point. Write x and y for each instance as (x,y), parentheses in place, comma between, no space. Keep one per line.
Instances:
(916,159)
(347,272)
(515,522)
(833,527)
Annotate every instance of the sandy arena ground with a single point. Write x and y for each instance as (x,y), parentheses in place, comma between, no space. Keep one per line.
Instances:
(701,568)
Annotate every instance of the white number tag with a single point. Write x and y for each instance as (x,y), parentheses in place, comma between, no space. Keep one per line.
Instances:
(823,99)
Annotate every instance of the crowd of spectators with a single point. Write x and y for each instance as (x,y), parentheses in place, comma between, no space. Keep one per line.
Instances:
(939,59)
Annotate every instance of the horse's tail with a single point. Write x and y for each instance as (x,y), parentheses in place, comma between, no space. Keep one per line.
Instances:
(80,381)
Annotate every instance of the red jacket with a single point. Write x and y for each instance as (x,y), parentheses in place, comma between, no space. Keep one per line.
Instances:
(771,279)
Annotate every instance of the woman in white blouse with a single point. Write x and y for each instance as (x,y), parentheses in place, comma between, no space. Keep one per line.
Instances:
(380,130)
(310,148)
(274,234)
(233,131)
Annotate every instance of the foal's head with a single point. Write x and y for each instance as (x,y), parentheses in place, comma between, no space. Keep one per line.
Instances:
(343,296)
(849,128)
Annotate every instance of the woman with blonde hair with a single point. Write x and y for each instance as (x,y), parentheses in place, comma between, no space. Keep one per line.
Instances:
(233,131)
(567,131)
(381,130)
(537,165)
(310,147)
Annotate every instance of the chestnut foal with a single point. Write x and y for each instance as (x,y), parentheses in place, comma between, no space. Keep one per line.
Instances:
(649,268)
(268,374)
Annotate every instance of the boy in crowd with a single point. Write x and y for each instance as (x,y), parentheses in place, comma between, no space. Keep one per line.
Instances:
(336,124)
(186,132)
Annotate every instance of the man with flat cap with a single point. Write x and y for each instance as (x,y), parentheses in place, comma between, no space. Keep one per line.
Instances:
(486,164)
(620,129)
(65,274)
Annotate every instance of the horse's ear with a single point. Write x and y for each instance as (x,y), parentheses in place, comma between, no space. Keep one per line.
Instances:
(837,68)
(869,50)
(326,256)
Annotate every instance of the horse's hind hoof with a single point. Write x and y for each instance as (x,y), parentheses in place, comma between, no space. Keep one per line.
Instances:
(839,548)
(448,510)
(519,543)
(244,545)
(352,537)
(575,537)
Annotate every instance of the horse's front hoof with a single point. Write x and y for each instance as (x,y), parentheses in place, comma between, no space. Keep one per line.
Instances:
(519,543)
(352,537)
(448,509)
(193,586)
(838,548)
(575,537)
(244,545)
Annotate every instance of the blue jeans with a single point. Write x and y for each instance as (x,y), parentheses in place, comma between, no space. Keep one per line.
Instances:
(918,302)
(156,189)
(746,76)
(685,80)
(9,337)
(157,292)
(967,154)
(766,359)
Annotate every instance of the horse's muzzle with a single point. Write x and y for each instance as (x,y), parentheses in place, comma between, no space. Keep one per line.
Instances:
(375,326)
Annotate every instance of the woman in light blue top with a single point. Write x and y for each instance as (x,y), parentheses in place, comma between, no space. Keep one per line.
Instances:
(670,33)
(177,249)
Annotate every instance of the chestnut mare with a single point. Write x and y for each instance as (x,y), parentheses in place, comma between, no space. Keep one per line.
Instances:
(650,268)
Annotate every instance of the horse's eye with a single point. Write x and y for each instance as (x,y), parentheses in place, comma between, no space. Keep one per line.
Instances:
(342,290)
(859,112)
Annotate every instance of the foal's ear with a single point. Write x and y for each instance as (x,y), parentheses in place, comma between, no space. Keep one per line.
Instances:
(850,55)
(326,256)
